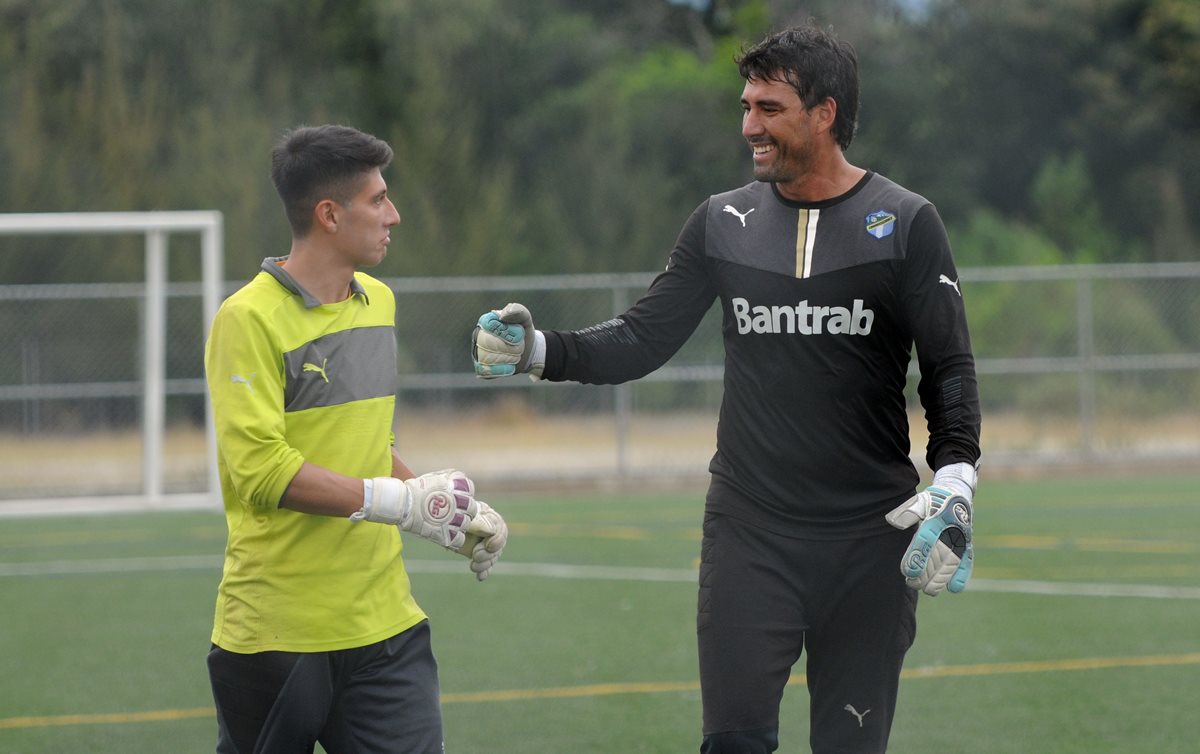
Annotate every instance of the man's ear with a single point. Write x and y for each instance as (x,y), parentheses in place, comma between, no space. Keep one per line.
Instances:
(326,215)
(826,113)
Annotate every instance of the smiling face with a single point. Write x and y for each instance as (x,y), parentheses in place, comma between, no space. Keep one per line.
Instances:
(782,133)
(364,223)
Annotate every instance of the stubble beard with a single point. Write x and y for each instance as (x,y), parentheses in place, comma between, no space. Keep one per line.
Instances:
(786,167)
(773,173)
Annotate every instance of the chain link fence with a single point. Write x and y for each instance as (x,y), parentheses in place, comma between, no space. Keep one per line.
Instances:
(1077,365)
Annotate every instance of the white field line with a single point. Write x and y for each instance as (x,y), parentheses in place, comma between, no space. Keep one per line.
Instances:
(591,572)
(1084,589)
(112,565)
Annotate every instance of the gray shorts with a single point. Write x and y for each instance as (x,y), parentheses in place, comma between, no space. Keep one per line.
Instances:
(380,698)
(766,598)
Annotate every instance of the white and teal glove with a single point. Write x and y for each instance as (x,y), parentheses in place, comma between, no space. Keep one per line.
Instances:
(941,554)
(505,343)
(438,506)
(486,536)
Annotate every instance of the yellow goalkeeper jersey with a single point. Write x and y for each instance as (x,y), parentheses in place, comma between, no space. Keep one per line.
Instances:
(293,380)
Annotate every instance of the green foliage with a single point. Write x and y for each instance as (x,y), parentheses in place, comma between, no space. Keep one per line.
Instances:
(568,136)
(1169,33)
(1124,317)
(989,239)
(1067,211)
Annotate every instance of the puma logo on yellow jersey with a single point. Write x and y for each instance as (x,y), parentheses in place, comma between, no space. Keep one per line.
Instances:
(236,378)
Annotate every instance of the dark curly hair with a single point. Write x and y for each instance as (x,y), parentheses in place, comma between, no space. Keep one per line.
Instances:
(816,64)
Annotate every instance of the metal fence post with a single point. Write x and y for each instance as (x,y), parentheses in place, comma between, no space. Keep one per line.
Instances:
(1085,312)
(622,396)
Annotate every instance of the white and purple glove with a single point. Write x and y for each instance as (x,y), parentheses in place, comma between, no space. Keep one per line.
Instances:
(505,343)
(486,536)
(941,554)
(438,506)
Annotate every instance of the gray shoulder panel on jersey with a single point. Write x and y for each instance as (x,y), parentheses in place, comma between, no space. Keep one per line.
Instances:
(751,226)
(351,365)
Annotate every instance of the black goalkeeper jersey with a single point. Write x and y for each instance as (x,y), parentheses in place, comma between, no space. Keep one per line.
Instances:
(822,304)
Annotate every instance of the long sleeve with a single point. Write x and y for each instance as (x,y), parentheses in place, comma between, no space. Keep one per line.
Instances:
(646,336)
(934,308)
(246,381)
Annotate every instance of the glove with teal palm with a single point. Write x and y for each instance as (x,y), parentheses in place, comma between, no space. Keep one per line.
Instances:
(505,343)
(941,554)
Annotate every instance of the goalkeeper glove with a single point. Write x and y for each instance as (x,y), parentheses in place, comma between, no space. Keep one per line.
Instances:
(505,343)
(941,554)
(437,506)
(486,536)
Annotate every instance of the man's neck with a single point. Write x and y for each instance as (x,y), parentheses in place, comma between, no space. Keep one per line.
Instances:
(827,178)
(319,272)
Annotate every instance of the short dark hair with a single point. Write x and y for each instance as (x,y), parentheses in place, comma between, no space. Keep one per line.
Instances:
(816,64)
(313,163)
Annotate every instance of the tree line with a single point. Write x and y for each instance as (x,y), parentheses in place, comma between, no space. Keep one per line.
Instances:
(561,136)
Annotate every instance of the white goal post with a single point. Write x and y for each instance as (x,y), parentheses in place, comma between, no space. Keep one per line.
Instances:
(156,228)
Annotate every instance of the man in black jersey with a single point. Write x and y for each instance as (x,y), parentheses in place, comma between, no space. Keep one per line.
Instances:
(827,276)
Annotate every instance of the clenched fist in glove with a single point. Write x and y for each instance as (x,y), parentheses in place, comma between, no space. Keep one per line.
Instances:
(505,343)
(438,506)
(941,554)
(486,536)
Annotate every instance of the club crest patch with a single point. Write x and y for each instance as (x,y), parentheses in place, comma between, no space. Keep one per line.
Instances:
(881,223)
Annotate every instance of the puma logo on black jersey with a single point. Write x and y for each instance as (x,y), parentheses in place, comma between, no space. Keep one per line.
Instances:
(740,215)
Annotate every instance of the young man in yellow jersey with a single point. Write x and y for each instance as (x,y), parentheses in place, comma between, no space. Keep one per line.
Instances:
(317,637)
